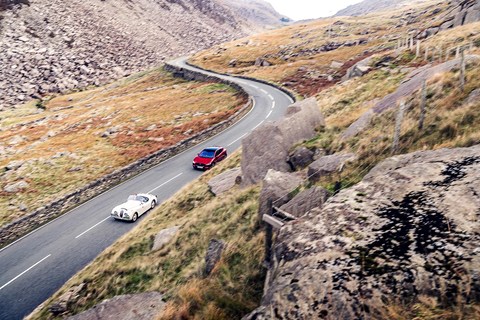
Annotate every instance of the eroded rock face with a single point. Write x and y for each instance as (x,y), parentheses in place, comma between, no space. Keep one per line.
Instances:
(276,190)
(305,201)
(410,228)
(267,147)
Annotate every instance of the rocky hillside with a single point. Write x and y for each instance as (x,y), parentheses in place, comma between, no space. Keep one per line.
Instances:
(257,12)
(51,46)
(408,230)
(375,201)
(368,6)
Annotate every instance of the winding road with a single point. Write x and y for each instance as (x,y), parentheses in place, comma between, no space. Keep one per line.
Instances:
(37,265)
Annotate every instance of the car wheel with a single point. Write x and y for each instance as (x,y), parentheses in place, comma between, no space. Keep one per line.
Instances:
(153,204)
(135,217)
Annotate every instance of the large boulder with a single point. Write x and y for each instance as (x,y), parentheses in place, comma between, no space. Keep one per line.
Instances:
(214,253)
(267,147)
(468,11)
(410,229)
(300,158)
(16,186)
(164,237)
(328,165)
(224,181)
(359,69)
(305,201)
(277,190)
(67,300)
(147,305)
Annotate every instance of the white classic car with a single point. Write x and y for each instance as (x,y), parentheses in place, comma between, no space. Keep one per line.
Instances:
(136,205)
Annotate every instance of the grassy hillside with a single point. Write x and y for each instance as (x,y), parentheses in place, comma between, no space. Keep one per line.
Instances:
(60,144)
(235,287)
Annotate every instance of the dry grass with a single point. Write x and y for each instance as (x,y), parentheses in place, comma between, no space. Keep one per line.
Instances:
(291,50)
(233,289)
(235,286)
(62,146)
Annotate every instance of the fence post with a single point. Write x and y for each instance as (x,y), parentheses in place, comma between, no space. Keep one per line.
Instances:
(268,238)
(423,105)
(417,54)
(457,53)
(398,127)
(462,71)
(426,53)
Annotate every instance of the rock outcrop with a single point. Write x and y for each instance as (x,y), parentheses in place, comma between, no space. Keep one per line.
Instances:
(368,6)
(305,201)
(54,46)
(268,146)
(145,305)
(359,69)
(328,165)
(67,300)
(214,253)
(164,237)
(459,13)
(224,181)
(300,158)
(411,84)
(409,229)
(466,11)
(276,190)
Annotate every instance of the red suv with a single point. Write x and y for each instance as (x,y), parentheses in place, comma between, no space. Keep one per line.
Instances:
(209,157)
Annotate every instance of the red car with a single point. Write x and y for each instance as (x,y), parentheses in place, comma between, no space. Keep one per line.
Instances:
(209,157)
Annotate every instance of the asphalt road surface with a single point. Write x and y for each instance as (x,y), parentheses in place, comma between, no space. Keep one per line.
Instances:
(37,265)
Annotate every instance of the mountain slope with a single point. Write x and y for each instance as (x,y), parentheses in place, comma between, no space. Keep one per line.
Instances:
(52,47)
(257,12)
(368,6)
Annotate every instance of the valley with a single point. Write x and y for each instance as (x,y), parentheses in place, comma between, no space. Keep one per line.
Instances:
(357,201)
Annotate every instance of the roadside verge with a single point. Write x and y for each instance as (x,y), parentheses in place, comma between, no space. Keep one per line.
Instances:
(19,228)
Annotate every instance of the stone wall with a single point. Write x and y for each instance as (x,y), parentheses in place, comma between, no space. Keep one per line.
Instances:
(284,90)
(18,228)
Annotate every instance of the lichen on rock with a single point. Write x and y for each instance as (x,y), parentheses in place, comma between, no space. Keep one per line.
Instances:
(409,229)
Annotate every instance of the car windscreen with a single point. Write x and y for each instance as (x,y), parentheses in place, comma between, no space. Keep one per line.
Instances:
(207,153)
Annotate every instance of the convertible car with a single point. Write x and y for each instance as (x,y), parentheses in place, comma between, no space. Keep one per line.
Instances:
(136,205)
(209,157)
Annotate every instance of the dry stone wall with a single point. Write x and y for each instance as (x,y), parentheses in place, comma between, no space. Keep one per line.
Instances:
(42,215)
